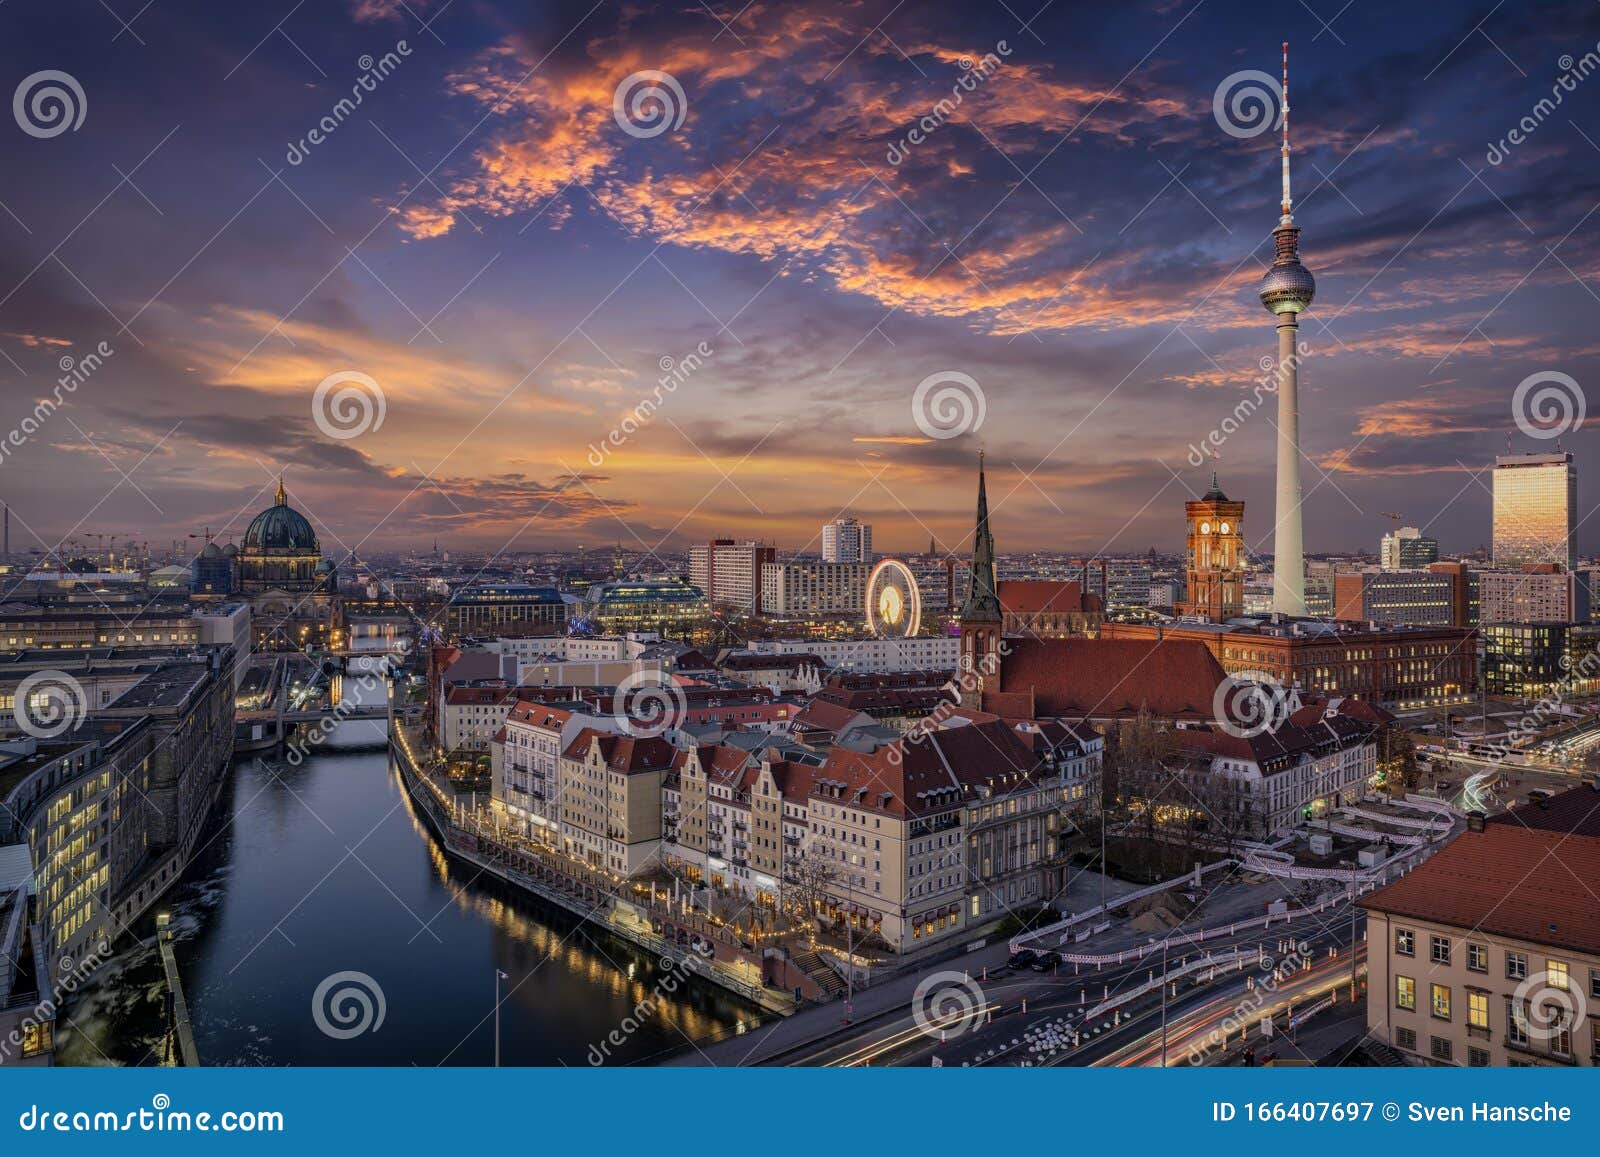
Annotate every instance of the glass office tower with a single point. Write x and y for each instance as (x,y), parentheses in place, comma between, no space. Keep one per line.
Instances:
(1535,504)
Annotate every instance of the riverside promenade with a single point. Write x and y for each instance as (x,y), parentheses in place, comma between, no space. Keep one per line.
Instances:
(706,948)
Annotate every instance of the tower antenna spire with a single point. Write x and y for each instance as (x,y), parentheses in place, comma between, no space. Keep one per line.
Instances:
(1288,202)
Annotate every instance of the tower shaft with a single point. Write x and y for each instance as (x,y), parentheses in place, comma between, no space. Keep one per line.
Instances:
(1288,549)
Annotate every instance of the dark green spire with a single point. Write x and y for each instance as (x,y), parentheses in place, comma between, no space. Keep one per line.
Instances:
(983,600)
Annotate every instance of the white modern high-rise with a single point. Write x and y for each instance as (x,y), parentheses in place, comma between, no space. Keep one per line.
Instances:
(1407,548)
(1286,290)
(846,540)
(1535,510)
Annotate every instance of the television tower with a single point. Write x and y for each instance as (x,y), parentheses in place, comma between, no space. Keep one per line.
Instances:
(1288,288)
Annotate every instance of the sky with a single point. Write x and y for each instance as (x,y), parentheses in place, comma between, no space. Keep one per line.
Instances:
(859,242)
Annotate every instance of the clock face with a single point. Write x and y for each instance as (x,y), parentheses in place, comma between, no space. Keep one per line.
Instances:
(1226,528)
(1205,528)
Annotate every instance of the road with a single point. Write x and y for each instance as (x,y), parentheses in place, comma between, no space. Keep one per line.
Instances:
(1016,1017)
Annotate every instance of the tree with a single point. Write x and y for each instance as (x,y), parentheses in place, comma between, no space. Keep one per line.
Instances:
(1397,759)
(811,885)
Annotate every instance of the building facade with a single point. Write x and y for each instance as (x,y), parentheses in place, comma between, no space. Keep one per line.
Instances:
(506,609)
(846,540)
(1488,954)
(1418,598)
(1215,549)
(729,572)
(1399,667)
(806,589)
(1535,510)
(1534,594)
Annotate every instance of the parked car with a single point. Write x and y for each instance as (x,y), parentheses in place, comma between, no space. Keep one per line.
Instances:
(1045,961)
(1023,959)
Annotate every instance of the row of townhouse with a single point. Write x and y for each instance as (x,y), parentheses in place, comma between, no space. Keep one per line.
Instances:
(922,840)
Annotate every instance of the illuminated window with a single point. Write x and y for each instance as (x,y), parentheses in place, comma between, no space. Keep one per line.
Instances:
(1441,1001)
(1405,992)
(37,1038)
(1478,1009)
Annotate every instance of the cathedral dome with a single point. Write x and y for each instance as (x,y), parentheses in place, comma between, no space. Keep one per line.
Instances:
(280,527)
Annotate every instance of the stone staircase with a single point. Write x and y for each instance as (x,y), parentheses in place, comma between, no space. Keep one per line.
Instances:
(818,970)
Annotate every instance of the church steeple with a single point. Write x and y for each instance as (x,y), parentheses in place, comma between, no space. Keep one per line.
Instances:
(283,499)
(983,600)
(980,614)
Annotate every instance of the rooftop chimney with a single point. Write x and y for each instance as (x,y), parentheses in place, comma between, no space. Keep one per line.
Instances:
(1475,821)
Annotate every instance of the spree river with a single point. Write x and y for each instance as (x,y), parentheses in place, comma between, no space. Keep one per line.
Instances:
(324,869)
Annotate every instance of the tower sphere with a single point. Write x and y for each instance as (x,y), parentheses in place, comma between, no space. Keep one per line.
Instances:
(1287,287)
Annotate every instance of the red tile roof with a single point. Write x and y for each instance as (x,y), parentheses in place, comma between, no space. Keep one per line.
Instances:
(936,772)
(1045,596)
(1576,810)
(1280,748)
(822,715)
(467,696)
(1109,678)
(1507,881)
(626,753)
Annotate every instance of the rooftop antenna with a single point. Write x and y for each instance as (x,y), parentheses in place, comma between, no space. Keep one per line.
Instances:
(1288,202)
